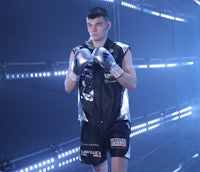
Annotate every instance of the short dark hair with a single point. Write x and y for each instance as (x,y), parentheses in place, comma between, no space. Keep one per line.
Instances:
(97,12)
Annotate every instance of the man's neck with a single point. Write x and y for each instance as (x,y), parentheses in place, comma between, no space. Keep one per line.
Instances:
(100,43)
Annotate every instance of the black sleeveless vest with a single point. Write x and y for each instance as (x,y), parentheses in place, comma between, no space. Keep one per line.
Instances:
(101,99)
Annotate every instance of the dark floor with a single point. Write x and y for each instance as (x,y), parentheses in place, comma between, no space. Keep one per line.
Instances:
(172,147)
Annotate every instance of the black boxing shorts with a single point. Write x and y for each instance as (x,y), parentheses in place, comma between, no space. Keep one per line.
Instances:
(96,143)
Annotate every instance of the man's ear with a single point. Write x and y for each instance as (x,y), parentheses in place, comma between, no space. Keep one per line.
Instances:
(109,25)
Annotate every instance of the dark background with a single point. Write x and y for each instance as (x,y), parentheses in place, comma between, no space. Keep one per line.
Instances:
(35,113)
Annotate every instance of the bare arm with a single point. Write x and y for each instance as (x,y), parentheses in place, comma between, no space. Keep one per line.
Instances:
(128,79)
(69,84)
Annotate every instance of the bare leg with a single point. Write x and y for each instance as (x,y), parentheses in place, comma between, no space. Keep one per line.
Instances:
(103,167)
(119,164)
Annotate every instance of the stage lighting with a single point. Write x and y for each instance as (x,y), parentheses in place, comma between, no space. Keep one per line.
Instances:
(15,71)
(68,153)
(197,2)
(129,5)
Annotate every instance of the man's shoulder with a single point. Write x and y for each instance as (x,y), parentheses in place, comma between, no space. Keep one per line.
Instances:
(86,44)
(78,47)
(122,45)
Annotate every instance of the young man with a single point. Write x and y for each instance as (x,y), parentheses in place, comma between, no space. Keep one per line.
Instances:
(103,71)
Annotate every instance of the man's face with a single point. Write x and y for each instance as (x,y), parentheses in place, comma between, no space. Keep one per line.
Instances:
(98,28)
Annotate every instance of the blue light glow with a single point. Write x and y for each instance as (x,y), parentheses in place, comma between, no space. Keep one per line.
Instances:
(67,157)
(197,2)
(129,5)
(167,16)
(157,65)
